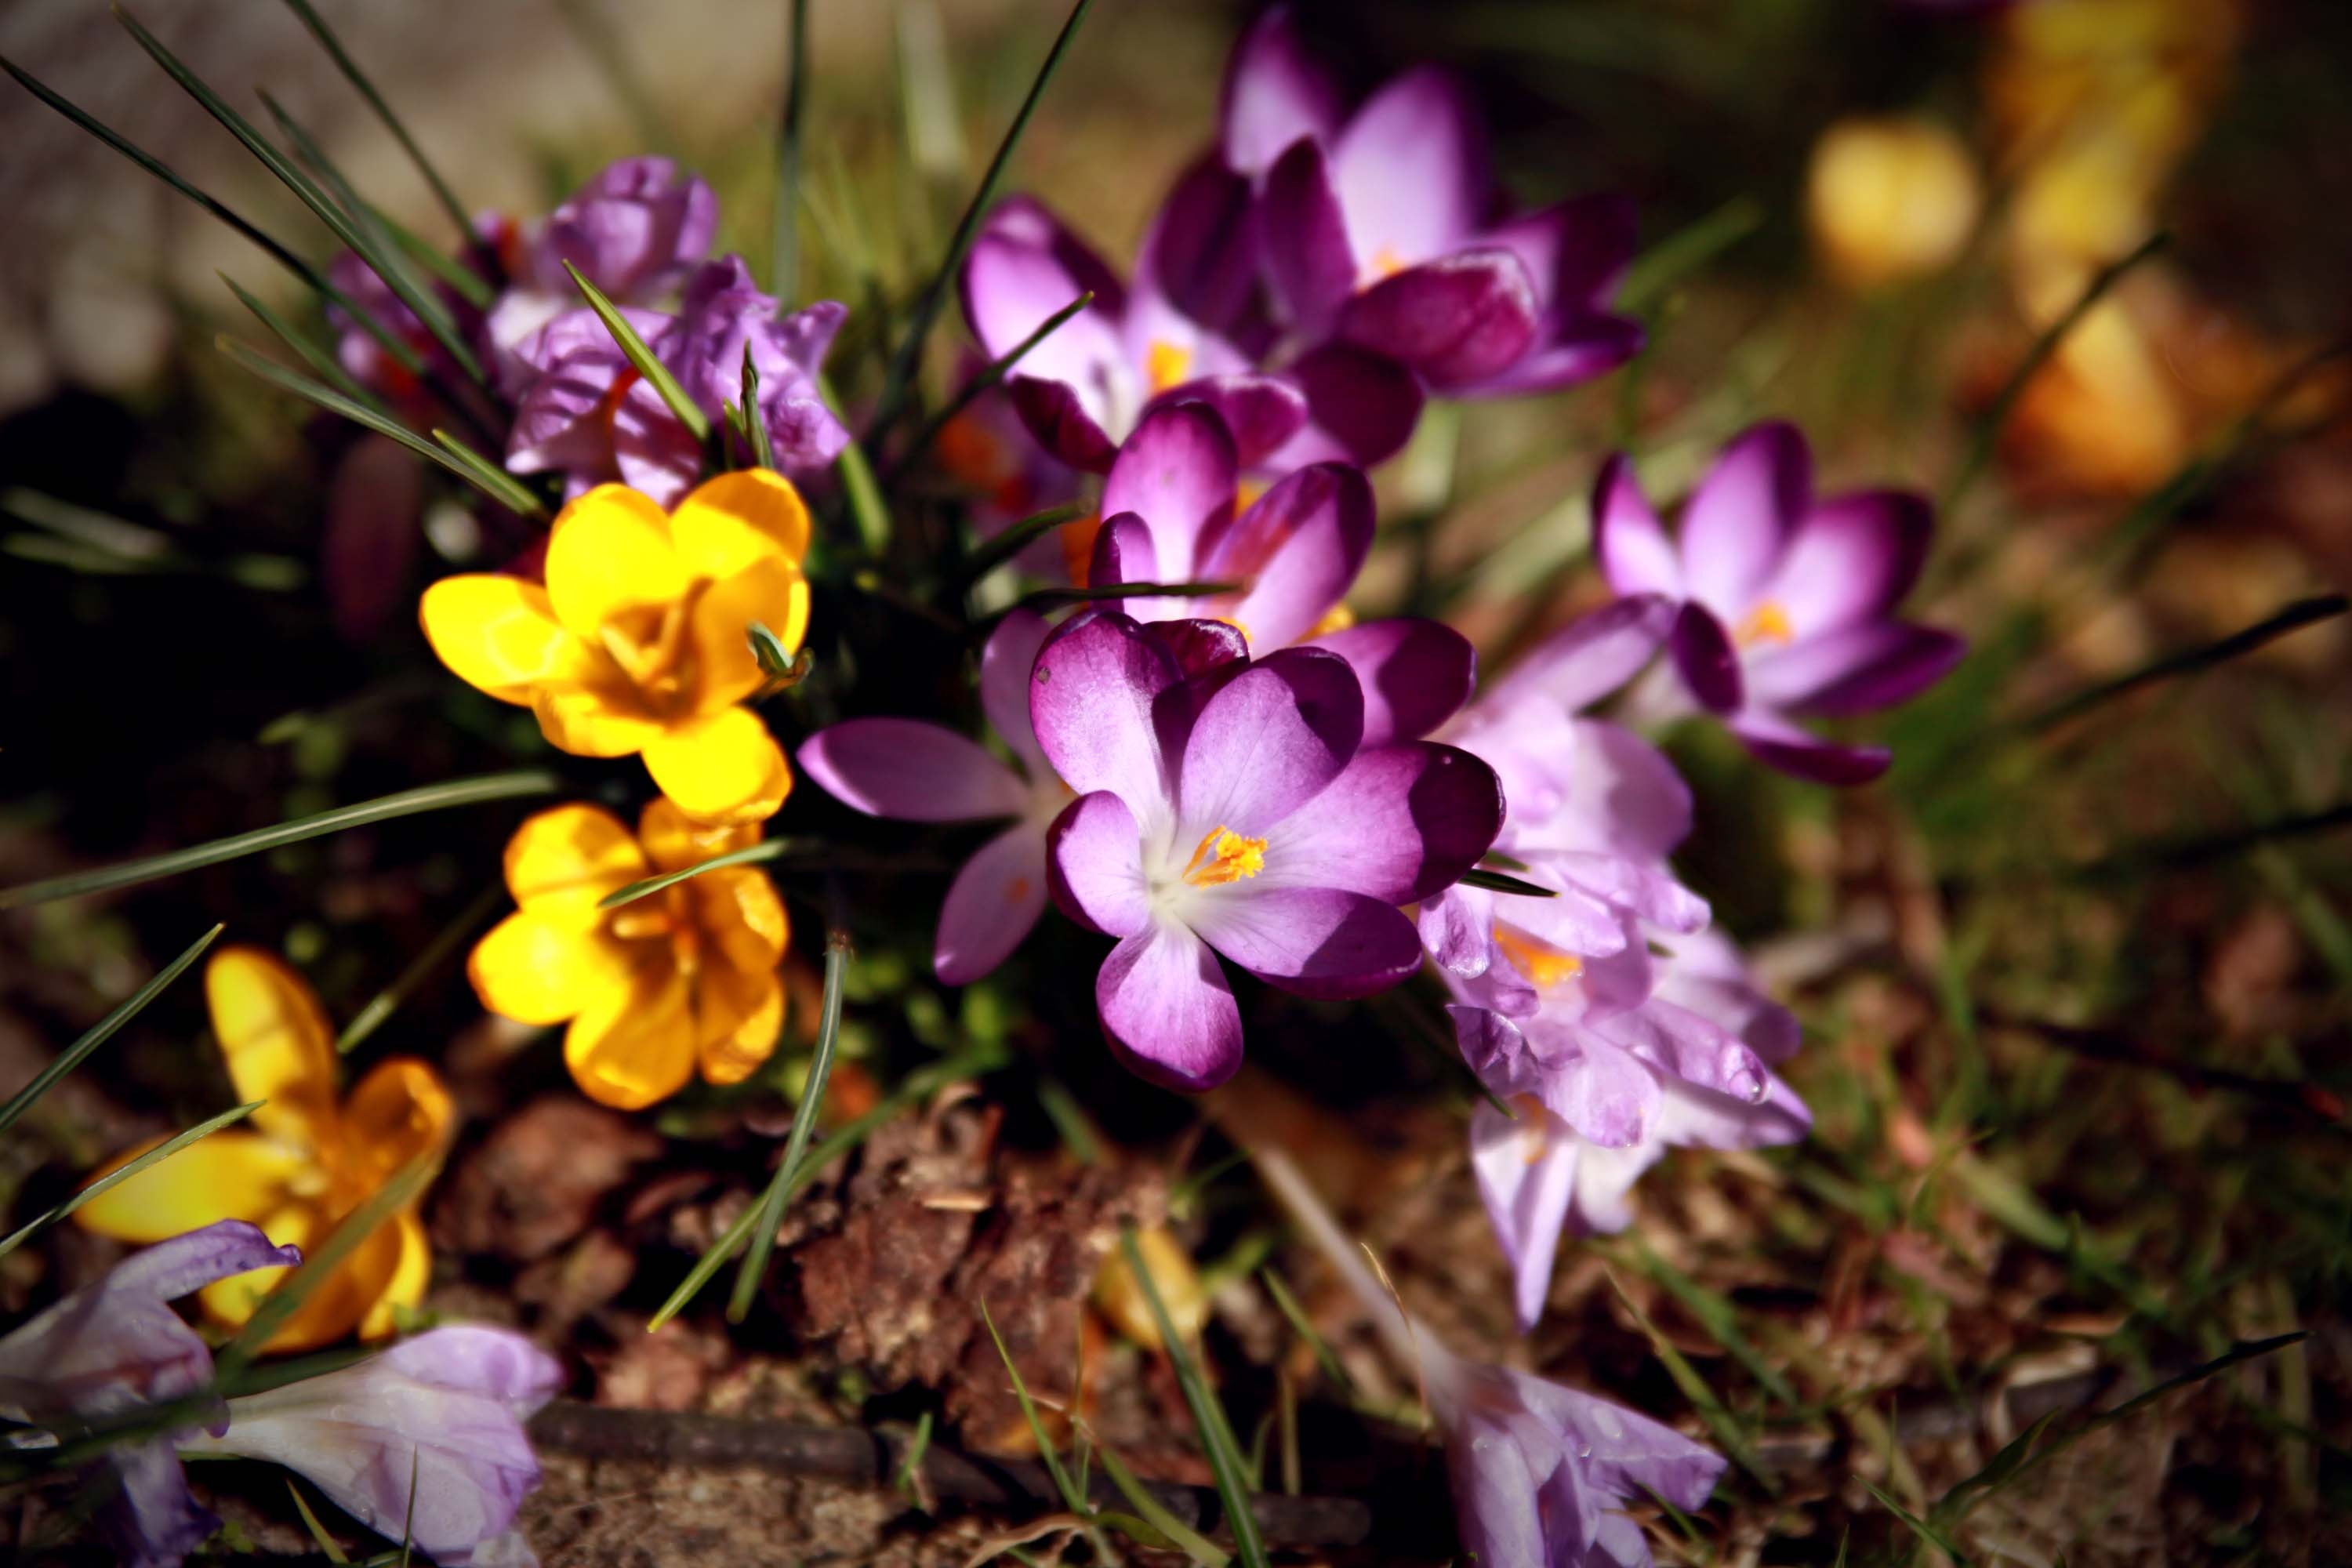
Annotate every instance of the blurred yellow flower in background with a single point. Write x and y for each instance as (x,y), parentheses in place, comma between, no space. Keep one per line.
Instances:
(637,643)
(1891,198)
(654,987)
(302,1166)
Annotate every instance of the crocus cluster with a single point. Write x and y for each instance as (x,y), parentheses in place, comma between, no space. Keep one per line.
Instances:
(446,1409)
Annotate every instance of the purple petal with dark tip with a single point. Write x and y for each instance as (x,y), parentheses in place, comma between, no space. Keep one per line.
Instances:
(1164,1004)
(1411,171)
(1177,472)
(1361,408)
(1706,659)
(1416,674)
(1094,852)
(1779,744)
(1303,239)
(1852,558)
(1198,646)
(911,771)
(1090,701)
(1275,91)
(1024,220)
(1862,668)
(1627,538)
(1565,355)
(1271,741)
(1315,942)
(1740,519)
(1060,423)
(1260,412)
(1457,320)
(1399,824)
(1576,251)
(1201,254)
(1295,551)
(1123,554)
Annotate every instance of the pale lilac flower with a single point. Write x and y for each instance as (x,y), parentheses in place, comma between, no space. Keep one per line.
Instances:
(1226,805)
(1787,600)
(116,1345)
(910,771)
(1379,231)
(447,1407)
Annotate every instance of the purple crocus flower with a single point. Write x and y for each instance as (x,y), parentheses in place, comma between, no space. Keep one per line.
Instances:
(910,771)
(587,414)
(1786,599)
(1227,806)
(1380,231)
(447,1407)
(115,1345)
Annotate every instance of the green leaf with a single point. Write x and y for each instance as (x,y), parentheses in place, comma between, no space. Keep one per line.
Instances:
(911,1466)
(161,1151)
(1498,882)
(755,428)
(391,342)
(317,358)
(334,1553)
(407,802)
(990,375)
(100,1032)
(1720,1318)
(437,952)
(430,311)
(996,552)
(783,235)
(496,483)
(804,1120)
(1234,1482)
(750,855)
(641,358)
(908,358)
(1154,1513)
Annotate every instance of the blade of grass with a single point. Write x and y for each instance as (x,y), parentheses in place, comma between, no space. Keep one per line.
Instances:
(1234,1483)
(1920,1527)
(100,1032)
(755,428)
(433,258)
(391,123)
(783,235)
(804,1120)
(996,552)
(1325,1357)
(161,1151)
(2189,661)
(1719,1421)
(317,280)
(407,802)
(340,191)
(1153,1512)
(911,1466)
(496,483)
(901,376)
(750,854)
(867,508)
(641,358)
(317,358)
(989,376)
(1053,598)
(1720,1318)
(1499,882)
(408,1522)
(1657,270)
(428,311)
(1072,1497)
(326,1542)
(451,937)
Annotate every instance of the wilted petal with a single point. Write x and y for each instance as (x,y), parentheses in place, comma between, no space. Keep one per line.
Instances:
(633,230)
(1527,1177)
(1606,1094)
(1166,1006)
(1457,926)
(993,904)
(911,771)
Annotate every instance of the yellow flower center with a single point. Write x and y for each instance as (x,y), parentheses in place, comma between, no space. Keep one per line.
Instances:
(667,917)
(654,647)
(1544,964)
(1167,364)
(1767,623)
(1224,856)
(1386,263)
(1338,618)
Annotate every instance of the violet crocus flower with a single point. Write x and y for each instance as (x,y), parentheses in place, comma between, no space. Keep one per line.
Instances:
(1786,599)
(635,231)
(447,1407)
(115,1345)
(1379,231)
(587,414)
(910,771)
(1226,805)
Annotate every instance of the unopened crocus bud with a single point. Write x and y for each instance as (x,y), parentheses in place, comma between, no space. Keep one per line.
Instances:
(1891,198)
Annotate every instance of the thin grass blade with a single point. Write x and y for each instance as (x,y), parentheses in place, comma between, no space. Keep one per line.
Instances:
(755,428)
(384,1003)
(2189,661)
(1074,1499)
(750,855)
(326,1542)
(317,358)
(989,375)
(1500,882)
(642,358)
(488,477)
(996,552)
(407,802)
(100,1032)
(804,1120)
(1656,271)
(783,238)
(161,1151)
(1154,1513)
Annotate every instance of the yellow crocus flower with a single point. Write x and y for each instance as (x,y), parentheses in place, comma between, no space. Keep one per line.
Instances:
(656,987)
(636,646)
(301,1164)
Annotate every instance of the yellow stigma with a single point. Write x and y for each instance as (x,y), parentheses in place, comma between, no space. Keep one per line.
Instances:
(1386,263)
(1224,856)
(1544,964)
(1167,364)
(1338,618)
(1767,623)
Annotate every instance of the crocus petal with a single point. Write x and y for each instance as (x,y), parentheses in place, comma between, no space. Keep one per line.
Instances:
(1627,538)
(1198,646)
(1591,656)
(1457,926)
(538,971)
(729,522)
(1739,518)
(1624,1453)
(911,771)
(1457,320)
(1576,251)
(636,1046)
(1856,669)
(1706,659)
(1316,942)
(1024,220)
(1565,352)
(1270,741)
(1165,1008)
(1777,743)
(1852,558)
(398,1110)
(1361,408)
(632,229)
(276,1042)
(655,453)
(1177,472)
(608,553)
(1124,553)
(1527,1175)
(1010,289)
(1090,699)
(723,769)
(1303,236)
(1399,824)
(1095,855)
(738,1017)
(1058,417)
(564,416)
(232,1174)
(500,635)
(768,589)
(1494,1492)
(1201,256)
(1005,663)
(1411,171)
(561,862)
(672,840)
(1606,1094)
(1275,91)
(1297,549)
(1261,413)
(601,717)
(1626,788)
(991,905)
(1415,674)
(154,1521)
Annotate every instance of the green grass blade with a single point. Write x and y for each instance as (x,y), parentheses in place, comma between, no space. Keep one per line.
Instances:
(750,855)
(804,1120)
(433,258)
(911,1466)
(1721,1320)
(867,508)
(1154,1513)
(2189,661)
(407,802)
(1325,1357)
(1072,1497)
(1719,1420)
(1920,1527)
(1234,1483)
(1499,882)
(317,358)
(161,1151)
(642,358)
(391,123)
(1656,271)
(408,1522)
(326,1542)
(990,375)
(429,310)
(100,1032)
(393,345)
(452,937)
(488,477)
(900,377)
(996,552)
(755,428)
(783,237)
